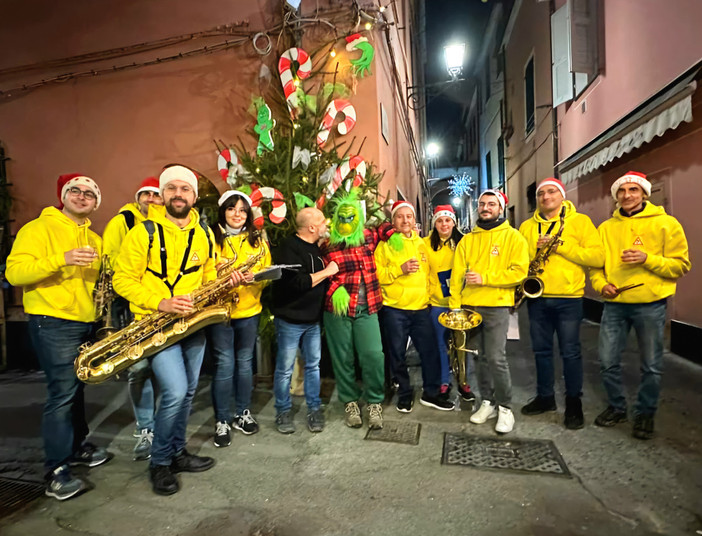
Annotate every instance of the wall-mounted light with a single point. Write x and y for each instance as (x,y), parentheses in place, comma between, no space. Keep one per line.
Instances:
(453,55)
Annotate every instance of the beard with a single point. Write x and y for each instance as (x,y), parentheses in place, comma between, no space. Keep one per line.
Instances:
(178,213)
(486,216)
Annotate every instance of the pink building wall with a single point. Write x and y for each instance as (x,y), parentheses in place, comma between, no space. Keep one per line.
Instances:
(121,127)
(647,44)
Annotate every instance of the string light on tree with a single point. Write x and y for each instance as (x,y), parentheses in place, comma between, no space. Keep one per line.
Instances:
(461,185)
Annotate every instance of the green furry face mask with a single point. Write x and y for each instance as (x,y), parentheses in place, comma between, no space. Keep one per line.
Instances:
(347,221)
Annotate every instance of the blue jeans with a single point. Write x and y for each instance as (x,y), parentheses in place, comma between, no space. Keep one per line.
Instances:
(563,317)
(648,320)
(63,426)
(232,348)
(290,337)
(492,369)
(397,325)
(141,393)
(176,370)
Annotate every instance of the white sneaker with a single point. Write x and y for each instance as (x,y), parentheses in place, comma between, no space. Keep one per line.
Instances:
(505,420)
(486,411)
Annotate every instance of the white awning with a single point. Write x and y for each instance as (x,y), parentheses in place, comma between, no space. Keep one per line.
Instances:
(664,113)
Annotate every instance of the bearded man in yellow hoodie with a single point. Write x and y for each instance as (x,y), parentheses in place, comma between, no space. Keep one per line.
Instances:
(141,390)
(403,272)
(56,261)
(489,263)
(161,262)
(645,254)
(559,309)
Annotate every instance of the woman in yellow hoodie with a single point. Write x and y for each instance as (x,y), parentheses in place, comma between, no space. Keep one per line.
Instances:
(441,246)
(236,238)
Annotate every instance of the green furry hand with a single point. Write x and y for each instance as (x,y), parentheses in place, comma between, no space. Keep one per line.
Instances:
(395,241)
(340,301)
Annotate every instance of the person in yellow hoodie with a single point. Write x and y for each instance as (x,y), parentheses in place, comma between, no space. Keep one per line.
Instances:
(56,260)
(403,267)
(645,254)
(489,263)
(441,246)
(141,390)
(233,342)
(559,310)
(161,262)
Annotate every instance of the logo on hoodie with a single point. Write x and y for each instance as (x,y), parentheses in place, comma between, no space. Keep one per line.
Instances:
(638,241)
(495,250)
(195,257)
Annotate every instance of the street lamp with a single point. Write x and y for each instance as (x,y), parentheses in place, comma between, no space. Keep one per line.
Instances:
(433,150)
(453,55)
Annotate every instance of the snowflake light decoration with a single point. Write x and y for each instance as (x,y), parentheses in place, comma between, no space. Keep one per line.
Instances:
(461,185)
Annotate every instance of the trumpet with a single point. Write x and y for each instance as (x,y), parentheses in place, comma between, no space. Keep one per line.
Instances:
(460,323)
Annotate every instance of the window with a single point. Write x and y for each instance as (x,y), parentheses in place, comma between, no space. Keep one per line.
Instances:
(529,96)
(488,170)
(500,162)
(531,196)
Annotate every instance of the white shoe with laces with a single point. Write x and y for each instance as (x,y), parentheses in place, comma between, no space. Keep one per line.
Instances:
(505,420)
(486,411)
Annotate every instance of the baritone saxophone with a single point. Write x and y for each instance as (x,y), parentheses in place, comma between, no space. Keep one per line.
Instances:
(212,304)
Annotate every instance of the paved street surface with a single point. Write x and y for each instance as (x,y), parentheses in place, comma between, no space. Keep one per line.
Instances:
(337,483)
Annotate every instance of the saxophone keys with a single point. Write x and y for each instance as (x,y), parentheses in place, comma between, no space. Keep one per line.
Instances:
(135,352)
(159,339)
(180,327)
(107,367)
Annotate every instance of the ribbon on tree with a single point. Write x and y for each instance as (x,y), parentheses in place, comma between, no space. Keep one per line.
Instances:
(301,156)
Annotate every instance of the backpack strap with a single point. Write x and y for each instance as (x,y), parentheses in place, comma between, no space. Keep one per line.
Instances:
(128,218)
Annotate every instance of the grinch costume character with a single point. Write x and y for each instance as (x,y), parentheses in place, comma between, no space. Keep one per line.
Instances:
(351,311)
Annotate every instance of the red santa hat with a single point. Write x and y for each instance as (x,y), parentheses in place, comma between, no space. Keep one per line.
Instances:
(552,182)
(177,173)
(353,40)
(69,180)
(443,210)
(149,184)
(398,205)
(501,198)
(636,178)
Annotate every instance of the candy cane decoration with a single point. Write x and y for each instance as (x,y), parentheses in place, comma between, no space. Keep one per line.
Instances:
(286,76)
(226,161)
(277,215)
(355,163)
(336,107)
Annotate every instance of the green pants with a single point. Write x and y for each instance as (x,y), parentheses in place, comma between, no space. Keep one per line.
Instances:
(362,333)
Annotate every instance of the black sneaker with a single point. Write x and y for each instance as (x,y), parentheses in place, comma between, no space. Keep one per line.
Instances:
(541,404)
(405,405)
(466,393)
(574,418)
(163,481)
(223,434)
(63,485)
(610,417)
(90,456)
(315,420)
(437,402)
(643,427)
(190,463)
(245,423)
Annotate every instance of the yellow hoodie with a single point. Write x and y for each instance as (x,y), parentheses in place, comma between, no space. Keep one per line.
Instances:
(440,264)
(662,238)
(500,256)
(143,289)
(238,247)
(564,272)
(403,291)
(37,264)
(116,229)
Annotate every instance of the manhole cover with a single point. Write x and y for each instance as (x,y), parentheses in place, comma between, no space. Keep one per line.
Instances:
(16,494)
(397,432)
(518,455)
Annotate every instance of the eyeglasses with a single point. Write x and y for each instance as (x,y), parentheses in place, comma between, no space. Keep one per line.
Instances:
(88,194)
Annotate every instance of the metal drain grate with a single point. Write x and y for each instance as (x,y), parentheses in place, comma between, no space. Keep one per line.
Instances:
(16,494)
(517,455)
(397,432)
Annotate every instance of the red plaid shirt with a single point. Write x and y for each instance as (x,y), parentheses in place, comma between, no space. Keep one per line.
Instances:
(356,264)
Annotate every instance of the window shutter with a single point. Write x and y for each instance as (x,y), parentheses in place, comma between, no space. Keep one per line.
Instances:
(562,78)
(583,29)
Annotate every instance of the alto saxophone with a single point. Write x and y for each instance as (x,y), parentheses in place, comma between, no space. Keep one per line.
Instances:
(212,304)
(533,285)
